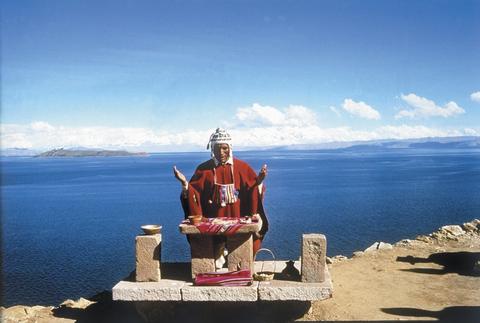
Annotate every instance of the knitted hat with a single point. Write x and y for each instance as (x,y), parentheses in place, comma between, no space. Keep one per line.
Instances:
(220,136)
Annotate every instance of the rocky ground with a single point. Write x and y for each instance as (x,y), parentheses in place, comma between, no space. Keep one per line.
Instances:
(432,277)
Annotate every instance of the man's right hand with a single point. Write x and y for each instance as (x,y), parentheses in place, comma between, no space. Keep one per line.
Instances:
(178,175)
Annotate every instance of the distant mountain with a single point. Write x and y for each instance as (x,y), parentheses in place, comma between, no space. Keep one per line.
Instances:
(87,153)
(447,145)
(426,143)
(383,145)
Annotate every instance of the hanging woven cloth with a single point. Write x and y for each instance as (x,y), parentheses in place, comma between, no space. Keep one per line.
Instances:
(224,193)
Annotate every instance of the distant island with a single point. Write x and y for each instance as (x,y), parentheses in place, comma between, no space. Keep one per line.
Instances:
(88,153)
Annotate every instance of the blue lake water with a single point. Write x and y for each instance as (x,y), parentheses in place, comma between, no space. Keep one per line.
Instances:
(69,224)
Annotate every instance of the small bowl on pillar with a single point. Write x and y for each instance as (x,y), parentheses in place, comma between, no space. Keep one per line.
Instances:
(150,229)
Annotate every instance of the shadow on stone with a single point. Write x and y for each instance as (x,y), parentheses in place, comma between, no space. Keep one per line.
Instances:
(467,314)
(289,273)
(177,271)
(103,310)
(252,312)
(170,270)
(463,263)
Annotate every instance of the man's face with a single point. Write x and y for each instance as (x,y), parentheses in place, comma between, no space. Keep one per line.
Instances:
(221,152)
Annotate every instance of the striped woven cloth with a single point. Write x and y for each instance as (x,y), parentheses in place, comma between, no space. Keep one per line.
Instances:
(225,226)
(232,278)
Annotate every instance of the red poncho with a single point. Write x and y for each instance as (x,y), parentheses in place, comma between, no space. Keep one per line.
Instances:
(243,198)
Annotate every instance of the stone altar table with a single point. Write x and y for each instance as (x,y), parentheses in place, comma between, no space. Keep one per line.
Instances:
(239,243)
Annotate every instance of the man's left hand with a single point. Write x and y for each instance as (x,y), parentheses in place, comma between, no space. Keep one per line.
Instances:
(262,174)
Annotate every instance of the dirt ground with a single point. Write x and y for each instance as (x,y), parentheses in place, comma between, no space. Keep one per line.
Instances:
(378,286)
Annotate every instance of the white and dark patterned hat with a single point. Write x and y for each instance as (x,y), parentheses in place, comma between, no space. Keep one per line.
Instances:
(220,136)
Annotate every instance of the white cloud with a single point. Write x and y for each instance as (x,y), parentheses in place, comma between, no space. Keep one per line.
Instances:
(300,116)
(41,126)
(475,96)
(260,115)
(263,115)
(250,127)
(360,109)
(423,107)
(41,135)
(269,136)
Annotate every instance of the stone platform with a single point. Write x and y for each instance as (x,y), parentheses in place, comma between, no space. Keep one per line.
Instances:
(176,285)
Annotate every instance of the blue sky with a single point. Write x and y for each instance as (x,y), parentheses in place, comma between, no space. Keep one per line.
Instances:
(158,74)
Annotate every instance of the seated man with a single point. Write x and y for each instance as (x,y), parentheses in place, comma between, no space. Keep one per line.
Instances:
(224,187)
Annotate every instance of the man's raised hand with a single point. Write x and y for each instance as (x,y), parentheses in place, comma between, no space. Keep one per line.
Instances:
(178,175)
(262,174)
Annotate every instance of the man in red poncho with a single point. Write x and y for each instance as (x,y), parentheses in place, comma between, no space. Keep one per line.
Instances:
(224,186)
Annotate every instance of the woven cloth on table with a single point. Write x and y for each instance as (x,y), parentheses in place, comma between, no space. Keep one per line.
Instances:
(226,226)
(232,278)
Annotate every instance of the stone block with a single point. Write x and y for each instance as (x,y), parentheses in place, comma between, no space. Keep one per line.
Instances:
(148,249)
(178,289)
(240,252)
(220,293)
(289,290)
(284,291)
(314,249)
(281,290)
(164,290)
(202,252)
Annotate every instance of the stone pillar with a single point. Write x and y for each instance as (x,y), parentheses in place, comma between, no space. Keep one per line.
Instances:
(240,252)
(148,248)
(314,249)
(203,260)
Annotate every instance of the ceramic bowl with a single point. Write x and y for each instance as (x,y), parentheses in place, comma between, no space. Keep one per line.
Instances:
(151,228)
